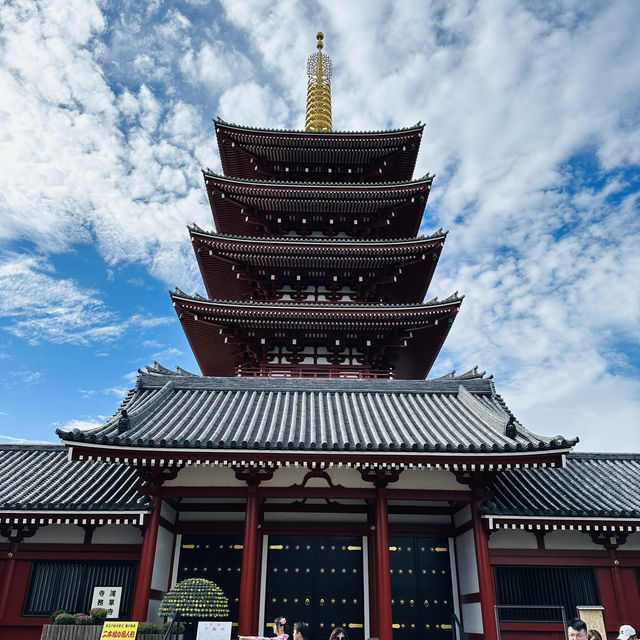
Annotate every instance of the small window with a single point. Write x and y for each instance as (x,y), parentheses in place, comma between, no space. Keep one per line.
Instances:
(69,585)
(544,586)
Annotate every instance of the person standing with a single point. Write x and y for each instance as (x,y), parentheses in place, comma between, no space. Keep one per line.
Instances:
(577,629)
(338,634)
(627,632)
(300,631)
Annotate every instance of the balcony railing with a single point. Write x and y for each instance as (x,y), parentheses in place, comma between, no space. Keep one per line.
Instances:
(284,371)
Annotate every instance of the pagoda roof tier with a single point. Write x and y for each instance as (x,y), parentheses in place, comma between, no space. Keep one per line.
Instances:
(229,336)
(326,156)
(254,268)
(262,208)
(187,419)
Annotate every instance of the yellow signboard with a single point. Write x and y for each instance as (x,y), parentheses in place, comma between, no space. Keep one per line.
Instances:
(118,629)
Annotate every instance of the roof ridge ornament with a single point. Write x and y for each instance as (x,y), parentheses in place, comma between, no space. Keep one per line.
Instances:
(318,117)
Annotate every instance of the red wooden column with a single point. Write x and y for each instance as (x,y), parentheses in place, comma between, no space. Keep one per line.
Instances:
(611,541)
(247,605)
(16,534)
(384,619)
(485,575)
(153,480)
(249,565)
(383,574)
(145,570)
(7,578)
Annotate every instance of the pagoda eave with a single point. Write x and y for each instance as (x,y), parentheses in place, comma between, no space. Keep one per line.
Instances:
(267,154)
(241,268)
(226,335)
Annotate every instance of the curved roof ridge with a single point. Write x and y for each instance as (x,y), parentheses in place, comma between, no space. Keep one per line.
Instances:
(454,297)
(472,374)
(320,239)
(427,178)
(419,126)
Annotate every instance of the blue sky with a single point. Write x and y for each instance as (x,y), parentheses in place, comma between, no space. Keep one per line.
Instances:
(532,112)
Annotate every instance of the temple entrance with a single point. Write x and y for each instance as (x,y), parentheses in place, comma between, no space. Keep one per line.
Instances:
(421,588)
(318,580)
(217,558)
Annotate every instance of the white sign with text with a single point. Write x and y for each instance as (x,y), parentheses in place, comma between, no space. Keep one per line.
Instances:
(108,598)
(214,630)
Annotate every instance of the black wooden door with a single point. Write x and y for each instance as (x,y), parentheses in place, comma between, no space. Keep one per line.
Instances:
(217,558)
(317,580)
(421,590)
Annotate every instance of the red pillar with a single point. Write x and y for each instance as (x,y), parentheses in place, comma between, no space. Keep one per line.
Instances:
(7,578)
(485,576)
(618,590)
(249,565)
(383,575)
(145,570)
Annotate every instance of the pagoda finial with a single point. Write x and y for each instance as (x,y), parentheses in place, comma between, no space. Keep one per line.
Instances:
(318,90)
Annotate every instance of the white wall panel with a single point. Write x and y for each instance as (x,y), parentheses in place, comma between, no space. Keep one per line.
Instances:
(467,565)
(472,617)
(117,534)
(64,533)
(569,540)
(162,560)
(512,539)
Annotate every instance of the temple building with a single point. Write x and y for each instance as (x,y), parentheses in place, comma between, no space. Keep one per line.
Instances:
(313,470)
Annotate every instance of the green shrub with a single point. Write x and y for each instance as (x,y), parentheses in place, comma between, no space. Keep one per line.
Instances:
(82,618)
(56,613)
(64,618)
(98,614)
(145,628)
(180,626)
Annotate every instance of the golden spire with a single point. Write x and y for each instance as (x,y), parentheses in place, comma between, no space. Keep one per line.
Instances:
(318,90)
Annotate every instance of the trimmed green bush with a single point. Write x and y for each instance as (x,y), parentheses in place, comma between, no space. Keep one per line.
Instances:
(64,618)
(180,626)
(99,615)
(56,613)
(145,628)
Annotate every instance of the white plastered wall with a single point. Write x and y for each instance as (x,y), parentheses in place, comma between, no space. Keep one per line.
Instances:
(512,539)
(117,534)
(60,533)
(570,540)
(467,569)
(633,542)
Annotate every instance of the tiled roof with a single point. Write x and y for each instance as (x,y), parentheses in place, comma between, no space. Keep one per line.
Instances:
(37,477)
(447,415)
(590,485)
(319,134)
(349,244)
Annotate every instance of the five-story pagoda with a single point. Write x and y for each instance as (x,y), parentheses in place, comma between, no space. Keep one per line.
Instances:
(315,268)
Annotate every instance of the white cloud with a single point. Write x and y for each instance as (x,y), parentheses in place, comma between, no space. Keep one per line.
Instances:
(61,312)
(82,425)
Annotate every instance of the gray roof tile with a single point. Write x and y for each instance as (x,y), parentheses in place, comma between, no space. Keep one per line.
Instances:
(37,477)
(454,415)
(590,485)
